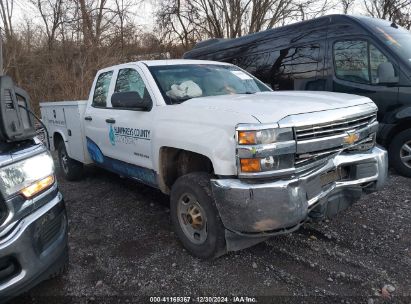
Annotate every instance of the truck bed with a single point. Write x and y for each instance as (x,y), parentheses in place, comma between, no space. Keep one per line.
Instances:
(64,119)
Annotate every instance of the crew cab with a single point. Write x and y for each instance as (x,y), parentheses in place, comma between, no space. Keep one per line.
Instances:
(241,163)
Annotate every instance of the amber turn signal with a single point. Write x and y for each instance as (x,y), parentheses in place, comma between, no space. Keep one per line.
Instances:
(247,138)
(38,186)
(250,165)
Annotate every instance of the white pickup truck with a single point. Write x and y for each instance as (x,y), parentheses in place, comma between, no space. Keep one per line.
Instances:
(241,163)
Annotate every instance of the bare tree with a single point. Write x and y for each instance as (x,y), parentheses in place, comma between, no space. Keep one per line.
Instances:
(346,5)
(175,22)
(397,11)
(188,21)
(122,8)
(10,49)
(7,7)
(51,12)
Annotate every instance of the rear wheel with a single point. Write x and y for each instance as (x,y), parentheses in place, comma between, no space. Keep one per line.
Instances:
(400,153)
(195,217)
(71,169)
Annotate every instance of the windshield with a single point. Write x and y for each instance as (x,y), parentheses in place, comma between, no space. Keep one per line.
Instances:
(398,39)
(179,83)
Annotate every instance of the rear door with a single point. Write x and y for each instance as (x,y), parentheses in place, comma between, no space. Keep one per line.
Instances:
(120,139)
(355,63)
(95,125)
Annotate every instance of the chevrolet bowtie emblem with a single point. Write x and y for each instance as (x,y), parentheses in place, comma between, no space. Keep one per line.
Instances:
(351,138)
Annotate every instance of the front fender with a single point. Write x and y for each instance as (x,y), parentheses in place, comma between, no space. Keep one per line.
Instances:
(203,130)
(403,113)
(216,145)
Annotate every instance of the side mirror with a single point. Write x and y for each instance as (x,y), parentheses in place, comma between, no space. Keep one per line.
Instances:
(131,100)
(386,73)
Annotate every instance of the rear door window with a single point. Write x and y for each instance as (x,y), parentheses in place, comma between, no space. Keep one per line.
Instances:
(101,89)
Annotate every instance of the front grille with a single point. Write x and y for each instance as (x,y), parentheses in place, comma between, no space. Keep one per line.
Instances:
(334,128)
(48,228)
(307,158)
(321,132)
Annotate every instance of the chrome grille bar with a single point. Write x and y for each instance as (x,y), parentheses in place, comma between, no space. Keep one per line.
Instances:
(335,128)
(317,143)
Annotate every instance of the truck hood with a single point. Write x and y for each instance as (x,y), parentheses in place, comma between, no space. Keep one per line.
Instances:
(270,107)
(14,152)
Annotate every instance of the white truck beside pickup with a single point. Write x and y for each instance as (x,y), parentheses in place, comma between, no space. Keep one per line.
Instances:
(241,163)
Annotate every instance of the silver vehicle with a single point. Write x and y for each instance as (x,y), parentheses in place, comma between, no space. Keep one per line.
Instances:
(33,220)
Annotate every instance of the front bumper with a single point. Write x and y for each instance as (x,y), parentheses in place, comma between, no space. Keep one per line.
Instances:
(34,249)
(260,210)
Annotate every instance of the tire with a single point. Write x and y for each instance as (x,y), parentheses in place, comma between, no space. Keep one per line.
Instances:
(400,153)
(194,190)
(71,169)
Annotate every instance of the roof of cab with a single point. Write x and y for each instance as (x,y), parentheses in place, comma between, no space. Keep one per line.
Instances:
(160,63)
(179,62)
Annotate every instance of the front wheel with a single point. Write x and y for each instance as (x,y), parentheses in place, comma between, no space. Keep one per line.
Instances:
(71,169)
(400,153)
(195,216)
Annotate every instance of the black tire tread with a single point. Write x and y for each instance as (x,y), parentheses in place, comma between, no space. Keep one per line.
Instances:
(201,181)
(394,155)
(75,168)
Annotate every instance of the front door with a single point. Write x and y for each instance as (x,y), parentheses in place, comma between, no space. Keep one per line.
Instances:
(357,63)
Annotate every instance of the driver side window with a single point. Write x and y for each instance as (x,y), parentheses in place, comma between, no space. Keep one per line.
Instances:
(360,61)
(129,80)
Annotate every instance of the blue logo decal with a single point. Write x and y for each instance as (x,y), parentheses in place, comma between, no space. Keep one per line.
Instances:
(111,135)
(94,151)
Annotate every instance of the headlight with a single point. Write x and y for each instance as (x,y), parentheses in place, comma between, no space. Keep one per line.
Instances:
(269,163)
(265,151)
(266,136)
(28,177)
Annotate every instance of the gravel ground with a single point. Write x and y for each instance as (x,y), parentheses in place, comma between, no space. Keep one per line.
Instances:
(122,249)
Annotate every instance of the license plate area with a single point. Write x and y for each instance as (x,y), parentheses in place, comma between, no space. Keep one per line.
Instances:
(333,176)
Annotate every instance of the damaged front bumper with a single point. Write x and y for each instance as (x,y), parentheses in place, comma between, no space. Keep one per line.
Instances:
(36,246)
(252,211)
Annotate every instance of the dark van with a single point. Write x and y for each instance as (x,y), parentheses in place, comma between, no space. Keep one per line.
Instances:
(338,53)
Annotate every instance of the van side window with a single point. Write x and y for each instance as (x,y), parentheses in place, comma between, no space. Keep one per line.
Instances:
(377,61)
(101,89)
(130,80)
(360,61)
(296,68)
(351,61)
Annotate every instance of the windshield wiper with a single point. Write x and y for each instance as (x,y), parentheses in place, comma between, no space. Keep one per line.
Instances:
(180,101)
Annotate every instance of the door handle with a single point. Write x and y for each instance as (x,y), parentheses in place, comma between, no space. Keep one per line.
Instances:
(89,118)
(110,120)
